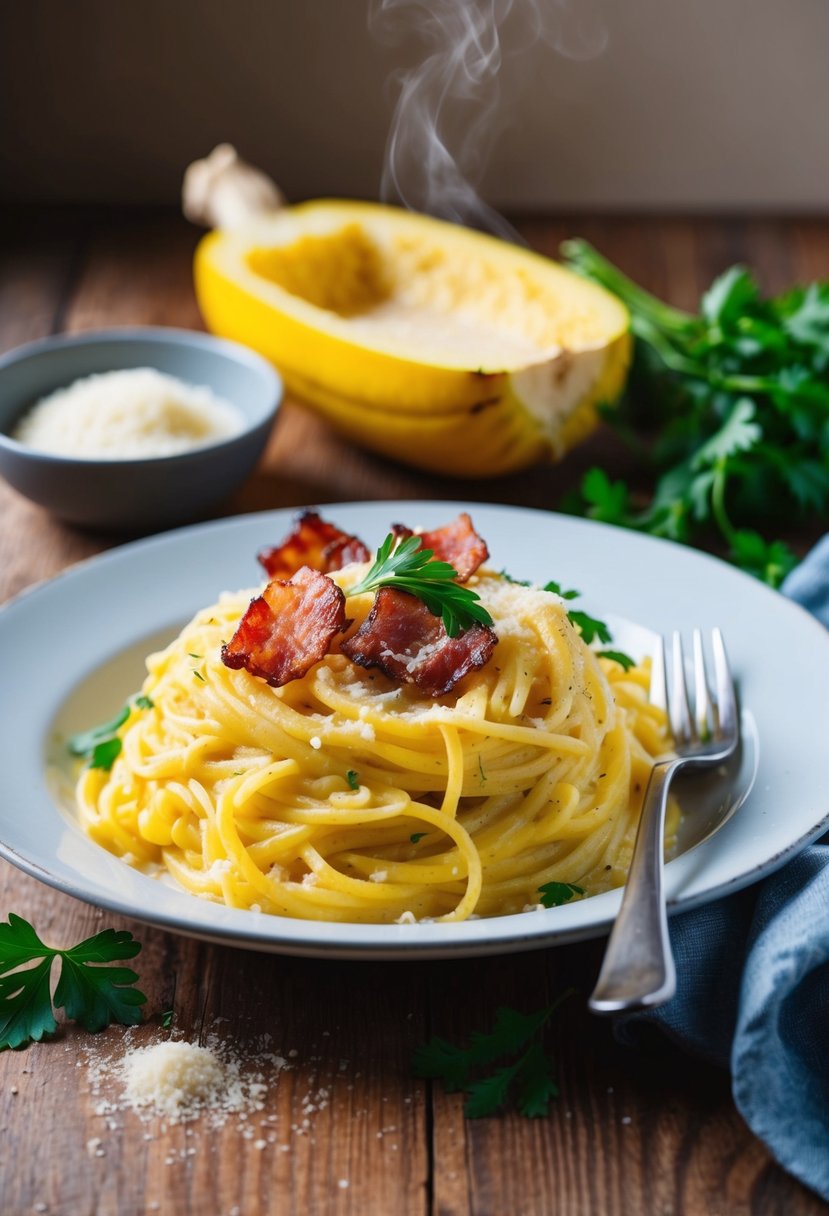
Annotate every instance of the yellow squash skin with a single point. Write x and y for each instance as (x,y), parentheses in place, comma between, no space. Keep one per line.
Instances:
(437,346)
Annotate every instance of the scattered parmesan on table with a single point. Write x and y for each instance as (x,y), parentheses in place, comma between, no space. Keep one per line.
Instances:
(204,1086)
(125,415)
(179,1081)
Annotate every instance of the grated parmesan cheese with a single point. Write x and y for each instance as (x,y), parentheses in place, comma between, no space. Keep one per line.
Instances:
(176,1078)
(126,415)
(179,1081)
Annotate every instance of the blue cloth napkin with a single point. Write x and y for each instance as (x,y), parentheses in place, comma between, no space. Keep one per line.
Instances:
(753,986)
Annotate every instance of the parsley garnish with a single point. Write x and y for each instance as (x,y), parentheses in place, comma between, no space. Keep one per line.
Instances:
(556,589)
(84,742)
(415,570)
(353,779)
(101,745)
(105,753)
(526,1076)
(91,995)
(554,894)
(618,656)
(588,626)
(727,410)
(415,836)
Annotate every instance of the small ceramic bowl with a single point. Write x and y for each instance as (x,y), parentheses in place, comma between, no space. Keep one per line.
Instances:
(147,493)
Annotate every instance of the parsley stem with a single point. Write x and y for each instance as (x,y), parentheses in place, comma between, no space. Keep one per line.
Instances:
(648,332)
(718,487)
(590,263)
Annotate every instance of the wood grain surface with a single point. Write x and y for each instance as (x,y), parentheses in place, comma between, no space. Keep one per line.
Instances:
(346,1127)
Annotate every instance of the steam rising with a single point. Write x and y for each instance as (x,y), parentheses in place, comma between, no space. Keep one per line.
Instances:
(448,112)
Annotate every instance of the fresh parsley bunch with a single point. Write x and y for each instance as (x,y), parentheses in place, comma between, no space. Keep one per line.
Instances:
(735,402)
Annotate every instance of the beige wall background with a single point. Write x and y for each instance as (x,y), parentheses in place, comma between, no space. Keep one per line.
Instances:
(716,104)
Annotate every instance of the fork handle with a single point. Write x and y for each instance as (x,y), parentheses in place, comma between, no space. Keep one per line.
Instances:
(638,968)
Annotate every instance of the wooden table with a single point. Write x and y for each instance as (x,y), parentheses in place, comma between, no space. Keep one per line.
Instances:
(651,1132)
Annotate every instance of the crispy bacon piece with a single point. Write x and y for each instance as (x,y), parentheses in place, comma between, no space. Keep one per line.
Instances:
(316,543)
(400,532)
(456,543)
(409,643)
(288,628)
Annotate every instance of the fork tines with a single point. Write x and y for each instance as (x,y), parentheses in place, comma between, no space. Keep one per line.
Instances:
(714,713)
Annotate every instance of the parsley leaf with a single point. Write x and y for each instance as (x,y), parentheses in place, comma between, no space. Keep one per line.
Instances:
(415,570)
(808,482)
(535,1082)
(416,836)
(808,321)
(85,741)
(556,589)
(92,995)
(96,996)
(519,582)
(105,753)
(770,561)
(100,745)
(554,894)
(353,779)
(729,296)
(487,1096)
(25,1003)
(618,656)
(738,433)
(528,1076)
(609,501)
(589,627)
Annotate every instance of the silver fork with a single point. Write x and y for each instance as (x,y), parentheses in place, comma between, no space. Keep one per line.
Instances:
(638,969)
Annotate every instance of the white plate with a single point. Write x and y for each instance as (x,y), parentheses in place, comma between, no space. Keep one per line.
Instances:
(72,648)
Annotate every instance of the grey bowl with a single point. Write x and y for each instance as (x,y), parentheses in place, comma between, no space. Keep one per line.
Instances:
(136,495)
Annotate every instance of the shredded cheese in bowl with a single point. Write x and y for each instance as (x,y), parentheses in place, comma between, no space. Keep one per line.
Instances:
(134,414)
